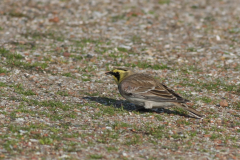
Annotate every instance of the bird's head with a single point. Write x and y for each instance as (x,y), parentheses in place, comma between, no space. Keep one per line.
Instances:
(119,74)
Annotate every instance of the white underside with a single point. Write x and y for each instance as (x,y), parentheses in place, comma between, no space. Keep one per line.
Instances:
(150,104)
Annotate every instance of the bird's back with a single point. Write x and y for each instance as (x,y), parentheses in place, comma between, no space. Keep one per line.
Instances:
(148,88)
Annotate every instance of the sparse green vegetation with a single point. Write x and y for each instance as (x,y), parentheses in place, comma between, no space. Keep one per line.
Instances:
(133,140)
(164,1)
(191,49)
(39,35)
(192,133)
(57,103)
(183,122)
(15,60)
(136,39)
(160,118)
(67,74)
(214,136)
(237,106)
(2,84)
(120,124)
(111,149)
(194,7)
(62,93)
(16,14)
(77,57)
(2,70)
(117,18)
(158,132)
(95,156)
(206,99)
(234,30)
(10,56)
(122,49)
(19,89)
(145,65)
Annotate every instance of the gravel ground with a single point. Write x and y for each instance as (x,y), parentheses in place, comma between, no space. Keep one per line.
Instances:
(57,103)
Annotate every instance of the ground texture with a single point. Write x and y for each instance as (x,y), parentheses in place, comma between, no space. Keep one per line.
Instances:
(57,103)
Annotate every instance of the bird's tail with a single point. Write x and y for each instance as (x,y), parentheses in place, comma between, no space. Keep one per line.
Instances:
(192,112)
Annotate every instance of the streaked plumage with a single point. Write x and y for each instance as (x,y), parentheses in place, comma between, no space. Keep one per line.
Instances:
(143,90)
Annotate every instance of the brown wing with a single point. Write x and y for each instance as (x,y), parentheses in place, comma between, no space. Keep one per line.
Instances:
(146,87)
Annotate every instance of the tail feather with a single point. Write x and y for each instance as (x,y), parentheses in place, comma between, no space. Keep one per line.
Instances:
(192,112)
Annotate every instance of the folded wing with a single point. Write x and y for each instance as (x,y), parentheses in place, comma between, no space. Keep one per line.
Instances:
(146,87)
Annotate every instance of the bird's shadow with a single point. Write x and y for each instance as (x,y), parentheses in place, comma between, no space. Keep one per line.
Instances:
(129,106)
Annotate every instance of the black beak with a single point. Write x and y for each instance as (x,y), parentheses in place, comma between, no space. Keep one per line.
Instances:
(110,72)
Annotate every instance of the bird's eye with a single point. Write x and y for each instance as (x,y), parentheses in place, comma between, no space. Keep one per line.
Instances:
(116,73)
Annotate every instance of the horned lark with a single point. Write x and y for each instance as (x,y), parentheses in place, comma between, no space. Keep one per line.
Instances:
(143,90)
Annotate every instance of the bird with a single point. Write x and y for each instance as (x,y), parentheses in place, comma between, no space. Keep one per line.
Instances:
(145,91)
